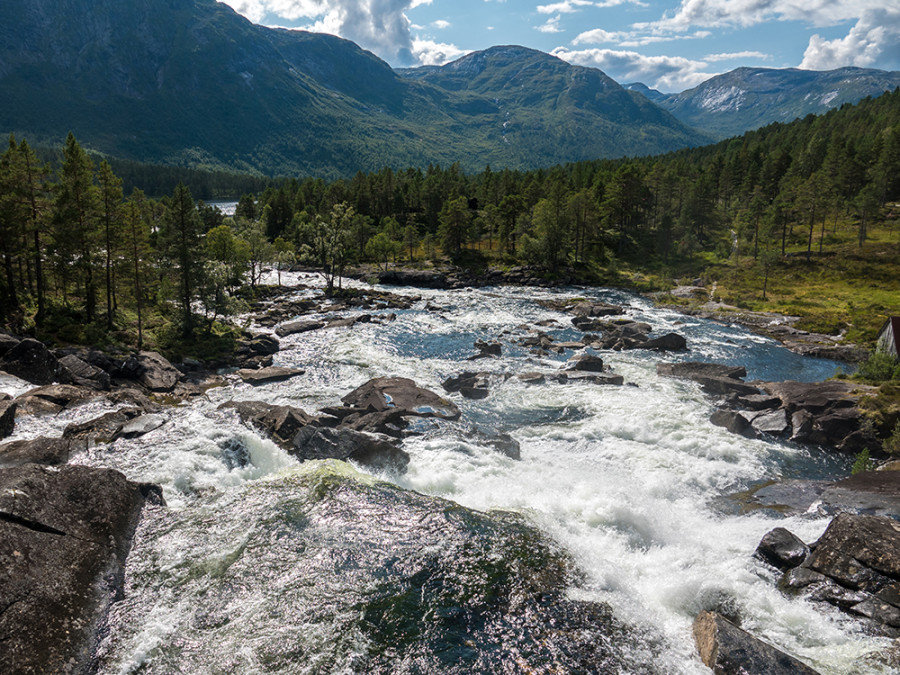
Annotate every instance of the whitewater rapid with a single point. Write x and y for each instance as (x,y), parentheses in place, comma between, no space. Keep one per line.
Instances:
(633,481)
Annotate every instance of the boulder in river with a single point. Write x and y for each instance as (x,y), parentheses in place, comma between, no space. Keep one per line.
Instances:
(140,426)
(75,370)
(7,417)
(586,363)
(280,422)
(102,429)
(269,374)
(64,536)
(52,398)
(426,585)
(475,385)
(152,370)
(782,549)
(40,450)
(855,565)
(729,650)
(346,444)
(31,361)
(400,393)
(417,278)
(294,327)
(714,378)
(869,492)
(669,342)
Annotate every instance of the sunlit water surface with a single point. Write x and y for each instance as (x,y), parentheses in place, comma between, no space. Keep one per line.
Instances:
(630,480)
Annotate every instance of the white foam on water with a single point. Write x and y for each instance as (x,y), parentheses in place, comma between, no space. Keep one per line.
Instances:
(627,479)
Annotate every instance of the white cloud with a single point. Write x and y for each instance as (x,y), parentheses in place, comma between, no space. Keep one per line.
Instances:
(720,13)
(731,56)
(380,26)
(631,38)
(598,36)
(666,73)
(431,53)
(441,24)
(564,7)
(569,6)
(875,38)
(552,25)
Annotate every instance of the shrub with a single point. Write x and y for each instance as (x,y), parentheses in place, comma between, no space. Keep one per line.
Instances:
(892,442)
(863,463)
(879,367)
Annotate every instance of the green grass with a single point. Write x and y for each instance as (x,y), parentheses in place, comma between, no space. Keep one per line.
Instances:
(848,289)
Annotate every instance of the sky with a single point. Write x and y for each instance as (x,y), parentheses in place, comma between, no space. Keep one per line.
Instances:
(668,45)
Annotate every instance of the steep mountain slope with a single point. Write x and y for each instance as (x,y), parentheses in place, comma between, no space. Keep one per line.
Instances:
(749,98)
(540,103)
(191,82)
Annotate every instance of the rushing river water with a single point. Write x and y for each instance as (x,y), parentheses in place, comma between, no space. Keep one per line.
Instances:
(631,481)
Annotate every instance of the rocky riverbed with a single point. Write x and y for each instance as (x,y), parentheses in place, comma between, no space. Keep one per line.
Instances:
(442,480)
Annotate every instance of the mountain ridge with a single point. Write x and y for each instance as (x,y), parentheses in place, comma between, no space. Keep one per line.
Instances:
(748,98)
(193,83)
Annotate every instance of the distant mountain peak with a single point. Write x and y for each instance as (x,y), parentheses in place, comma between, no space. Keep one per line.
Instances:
(192,82)
(748,98)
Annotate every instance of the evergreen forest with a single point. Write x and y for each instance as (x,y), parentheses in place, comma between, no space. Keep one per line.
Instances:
(89,258)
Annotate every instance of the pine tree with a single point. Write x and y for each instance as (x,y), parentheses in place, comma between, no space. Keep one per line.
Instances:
(138,233)
(110,211)
(75,221)
(180,242)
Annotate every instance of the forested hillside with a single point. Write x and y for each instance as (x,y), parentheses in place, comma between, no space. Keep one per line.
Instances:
(83,261)
(192,83)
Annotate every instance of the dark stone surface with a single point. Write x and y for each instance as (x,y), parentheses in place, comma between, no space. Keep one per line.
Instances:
(759,402)
(782,549)
(729,650)
(400,393)
(585,362)
(151,370)
(294,327)
(31,361)
(734,421)
(52,398)
(814,397)
(64,536)
(347,444)
(280,422)
(140,426)
(474,385)
(270,374)
(571,377)
(774,423)
(670,342)
(417,278)
(103,429)
(693,369)
(872,542)
(855,565)
(868,492)
(7,417)
(40,450)
(77,371)
(7,342)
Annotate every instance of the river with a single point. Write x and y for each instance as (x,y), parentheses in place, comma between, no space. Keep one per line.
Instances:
(632,481)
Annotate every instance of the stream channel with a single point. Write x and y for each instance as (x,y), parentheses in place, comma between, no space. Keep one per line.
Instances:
(631,482)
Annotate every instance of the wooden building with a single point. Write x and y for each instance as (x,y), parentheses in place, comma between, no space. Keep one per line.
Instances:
(889,337)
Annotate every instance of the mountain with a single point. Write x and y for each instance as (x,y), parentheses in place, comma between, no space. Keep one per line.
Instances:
(653,94)
(749,98)
(539,103)
(193,83)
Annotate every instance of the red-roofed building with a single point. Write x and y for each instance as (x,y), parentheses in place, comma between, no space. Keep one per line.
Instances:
(889,336)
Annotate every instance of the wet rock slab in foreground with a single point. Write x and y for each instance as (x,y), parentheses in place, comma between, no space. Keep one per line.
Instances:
(326,570)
